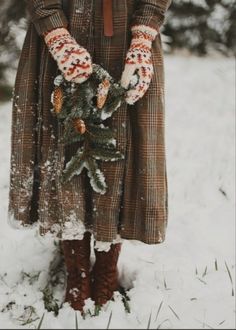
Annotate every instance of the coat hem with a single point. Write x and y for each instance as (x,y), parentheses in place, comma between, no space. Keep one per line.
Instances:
(98,244)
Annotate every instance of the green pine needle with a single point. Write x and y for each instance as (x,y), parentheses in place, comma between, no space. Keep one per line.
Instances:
(97,132)
(110,144)
(125,299)
(74,138)
(74,166)
(97,310)
(106,154)
(96,176)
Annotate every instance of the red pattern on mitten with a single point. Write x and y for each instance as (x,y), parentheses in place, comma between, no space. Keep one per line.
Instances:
(138,62)
(73,60)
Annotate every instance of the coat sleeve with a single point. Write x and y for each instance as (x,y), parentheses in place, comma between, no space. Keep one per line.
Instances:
(150,13)
(46,14)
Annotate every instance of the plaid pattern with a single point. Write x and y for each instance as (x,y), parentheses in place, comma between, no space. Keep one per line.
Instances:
(136,202)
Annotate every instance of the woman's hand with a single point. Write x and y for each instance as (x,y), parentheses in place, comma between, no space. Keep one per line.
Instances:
(138,63)
(73,60)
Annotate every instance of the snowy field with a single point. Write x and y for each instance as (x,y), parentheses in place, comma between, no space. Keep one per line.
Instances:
(185,282)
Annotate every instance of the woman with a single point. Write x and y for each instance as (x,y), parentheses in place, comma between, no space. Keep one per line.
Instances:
(123,37)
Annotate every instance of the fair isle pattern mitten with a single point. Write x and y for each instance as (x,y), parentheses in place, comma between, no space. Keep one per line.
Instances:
(138,62)
(73,60)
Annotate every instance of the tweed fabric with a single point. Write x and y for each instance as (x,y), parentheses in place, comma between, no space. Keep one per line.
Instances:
(136,202)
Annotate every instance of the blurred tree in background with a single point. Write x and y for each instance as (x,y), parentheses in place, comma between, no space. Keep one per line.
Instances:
(12,24)
(201,26)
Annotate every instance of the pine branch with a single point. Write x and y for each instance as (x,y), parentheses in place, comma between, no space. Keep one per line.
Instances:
(97,179)
(83,99)
(70,135)
(74,166)
(100,133)
(100,73)
(68,132)
(74,139)
(106,144)
(107,154)
(115,99)
(80,106)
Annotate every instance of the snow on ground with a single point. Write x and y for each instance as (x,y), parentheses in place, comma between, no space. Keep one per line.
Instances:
(181,283)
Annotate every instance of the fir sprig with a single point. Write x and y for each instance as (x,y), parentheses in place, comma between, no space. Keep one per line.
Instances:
(96,142)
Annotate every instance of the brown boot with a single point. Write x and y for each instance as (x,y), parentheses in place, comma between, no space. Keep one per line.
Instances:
(77,261)
(105,274)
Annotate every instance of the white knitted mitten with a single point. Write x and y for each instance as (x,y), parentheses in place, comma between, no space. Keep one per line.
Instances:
(138,62)
(73,60)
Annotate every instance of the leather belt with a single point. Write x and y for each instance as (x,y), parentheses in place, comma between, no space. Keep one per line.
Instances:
(108,18)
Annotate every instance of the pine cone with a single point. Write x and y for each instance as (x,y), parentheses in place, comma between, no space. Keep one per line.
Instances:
(79,125)
(102,93)
(57,99)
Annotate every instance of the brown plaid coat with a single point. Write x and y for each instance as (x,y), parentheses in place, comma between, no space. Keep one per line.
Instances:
(135,204)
